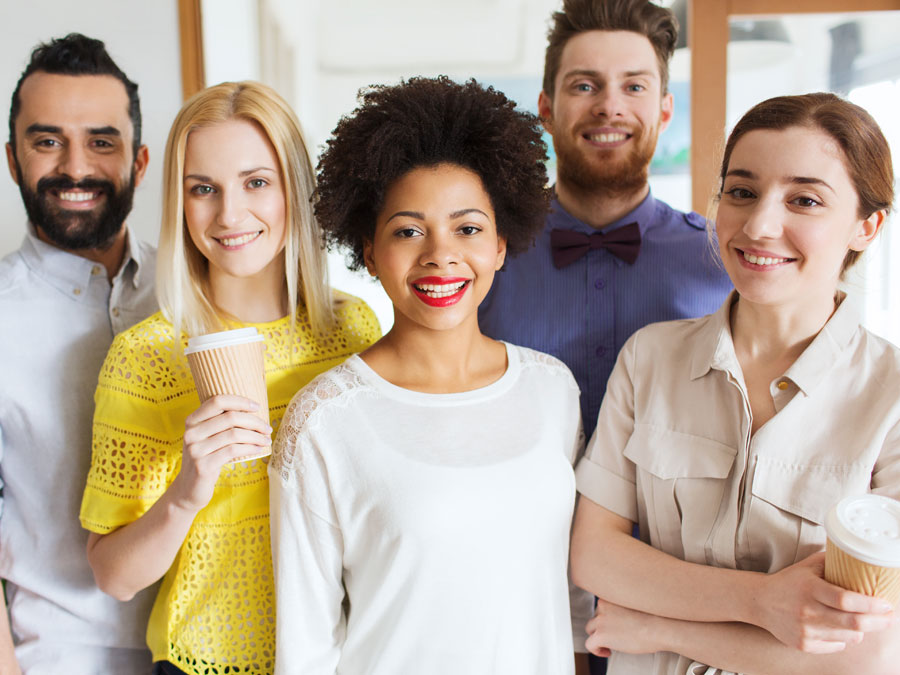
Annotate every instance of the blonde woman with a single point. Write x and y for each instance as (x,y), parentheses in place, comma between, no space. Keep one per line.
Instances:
(239,247)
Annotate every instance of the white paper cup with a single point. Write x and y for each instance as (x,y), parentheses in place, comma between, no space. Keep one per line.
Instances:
(863,549)
(231,362)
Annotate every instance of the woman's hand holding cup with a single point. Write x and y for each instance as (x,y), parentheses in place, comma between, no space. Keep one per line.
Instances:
(222,430)
(804,611)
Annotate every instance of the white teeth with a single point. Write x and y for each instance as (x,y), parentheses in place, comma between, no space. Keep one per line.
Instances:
(237,241)
(77,196)
(440,290)
(759,260)
(608,138)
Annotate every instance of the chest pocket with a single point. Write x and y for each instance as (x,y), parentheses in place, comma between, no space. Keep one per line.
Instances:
(788,506)
(681,480)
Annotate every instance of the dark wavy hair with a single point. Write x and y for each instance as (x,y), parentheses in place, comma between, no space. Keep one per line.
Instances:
(76,54)
(425,122)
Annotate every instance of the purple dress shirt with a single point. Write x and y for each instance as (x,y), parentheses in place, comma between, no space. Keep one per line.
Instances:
(583,313)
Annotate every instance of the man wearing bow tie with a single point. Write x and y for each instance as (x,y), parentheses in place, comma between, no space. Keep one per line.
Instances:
(611,258)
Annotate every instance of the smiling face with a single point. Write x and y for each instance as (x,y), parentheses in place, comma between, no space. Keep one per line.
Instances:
(788,216)
(436,247)
(234,200)
(73,158)
(606,111)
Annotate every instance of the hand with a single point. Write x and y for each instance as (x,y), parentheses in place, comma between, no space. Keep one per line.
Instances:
(804,611)
(621,629)
(221,430)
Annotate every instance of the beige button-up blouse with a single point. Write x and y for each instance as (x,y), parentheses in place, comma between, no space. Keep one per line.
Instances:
(673,451)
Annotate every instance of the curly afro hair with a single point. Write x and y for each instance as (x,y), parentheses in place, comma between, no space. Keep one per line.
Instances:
(425,122)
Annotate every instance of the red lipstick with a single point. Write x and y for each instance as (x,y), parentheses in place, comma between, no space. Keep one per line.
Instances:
(433,291)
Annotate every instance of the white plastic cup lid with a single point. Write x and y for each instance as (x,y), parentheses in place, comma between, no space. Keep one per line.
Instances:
(868,528)
(225,338)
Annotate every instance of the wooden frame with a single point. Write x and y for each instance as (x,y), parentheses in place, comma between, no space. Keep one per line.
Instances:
(708,39)
(190,28)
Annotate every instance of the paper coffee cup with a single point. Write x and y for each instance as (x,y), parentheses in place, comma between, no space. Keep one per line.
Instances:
(231,362)
(862,553)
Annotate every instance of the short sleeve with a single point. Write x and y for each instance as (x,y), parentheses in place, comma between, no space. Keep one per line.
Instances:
(604,475)
(135,454)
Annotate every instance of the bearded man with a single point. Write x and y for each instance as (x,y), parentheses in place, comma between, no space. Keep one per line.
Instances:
(611,258)
(79,278)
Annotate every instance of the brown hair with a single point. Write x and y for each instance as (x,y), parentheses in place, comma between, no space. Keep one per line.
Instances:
(655,23)
(867,156)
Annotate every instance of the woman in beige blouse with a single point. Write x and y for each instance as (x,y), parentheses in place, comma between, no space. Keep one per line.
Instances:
(728,438)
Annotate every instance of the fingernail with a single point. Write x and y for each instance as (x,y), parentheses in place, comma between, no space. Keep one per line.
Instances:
(884,607)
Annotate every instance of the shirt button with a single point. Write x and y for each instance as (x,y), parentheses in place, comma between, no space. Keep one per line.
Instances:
(600,351)
(115,311)
(76,291)
(782,385)
(599,284)
(95,270)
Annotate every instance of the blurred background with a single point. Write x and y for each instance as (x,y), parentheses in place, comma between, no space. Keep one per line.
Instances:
(318,54)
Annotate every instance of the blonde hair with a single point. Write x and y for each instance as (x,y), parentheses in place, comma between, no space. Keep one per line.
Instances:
(181,276)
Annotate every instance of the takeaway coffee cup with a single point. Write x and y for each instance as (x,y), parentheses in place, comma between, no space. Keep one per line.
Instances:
(862,553)
(231,362)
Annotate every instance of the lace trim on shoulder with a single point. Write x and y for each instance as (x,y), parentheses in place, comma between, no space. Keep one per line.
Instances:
(530,358)
(336,387)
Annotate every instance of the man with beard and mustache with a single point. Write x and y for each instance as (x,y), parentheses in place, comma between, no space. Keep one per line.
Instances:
(79,278)
(611,258)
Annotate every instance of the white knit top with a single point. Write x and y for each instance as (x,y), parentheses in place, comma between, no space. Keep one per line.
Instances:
(427,533)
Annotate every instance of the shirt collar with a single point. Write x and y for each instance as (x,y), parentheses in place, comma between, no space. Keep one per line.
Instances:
(811,366)
(642,214)
(715,348)
(66,270)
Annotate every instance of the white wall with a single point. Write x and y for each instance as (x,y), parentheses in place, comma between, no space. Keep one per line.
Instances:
(142,37)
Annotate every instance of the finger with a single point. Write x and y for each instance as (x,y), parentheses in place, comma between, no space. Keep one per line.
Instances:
(595,646)
(220,403)
(848,601)
(228,437)
(822,647)
(207,428)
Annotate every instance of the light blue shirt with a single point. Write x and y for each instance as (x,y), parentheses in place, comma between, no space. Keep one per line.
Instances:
(58,315)
(583,313)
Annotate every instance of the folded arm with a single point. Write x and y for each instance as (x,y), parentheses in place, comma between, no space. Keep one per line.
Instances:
(796,609)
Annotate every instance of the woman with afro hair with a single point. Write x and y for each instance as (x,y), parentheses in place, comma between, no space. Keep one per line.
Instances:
(422,493)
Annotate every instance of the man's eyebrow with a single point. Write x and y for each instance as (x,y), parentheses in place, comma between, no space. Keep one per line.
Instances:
(640,73)
(42,129)
(104,131)
(581,72)
(52,129)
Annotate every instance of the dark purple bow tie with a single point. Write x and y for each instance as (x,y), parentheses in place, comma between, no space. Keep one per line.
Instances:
(568,245)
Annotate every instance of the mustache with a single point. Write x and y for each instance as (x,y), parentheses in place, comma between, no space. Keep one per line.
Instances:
(64,183)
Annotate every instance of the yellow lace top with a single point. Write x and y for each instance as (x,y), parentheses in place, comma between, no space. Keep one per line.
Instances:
(214,613)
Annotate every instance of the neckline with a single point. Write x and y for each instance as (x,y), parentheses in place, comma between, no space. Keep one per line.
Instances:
(393,391)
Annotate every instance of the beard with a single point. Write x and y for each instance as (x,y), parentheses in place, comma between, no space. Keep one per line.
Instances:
(76,230)
(598,172)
